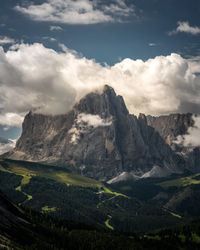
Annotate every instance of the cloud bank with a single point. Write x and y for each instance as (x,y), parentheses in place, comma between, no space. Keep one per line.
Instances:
(78,12)
(33,77)
(186,28)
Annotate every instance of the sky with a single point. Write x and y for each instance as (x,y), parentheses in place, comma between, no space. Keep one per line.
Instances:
(53,52)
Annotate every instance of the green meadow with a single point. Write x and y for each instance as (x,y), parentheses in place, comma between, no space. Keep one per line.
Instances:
(181,182)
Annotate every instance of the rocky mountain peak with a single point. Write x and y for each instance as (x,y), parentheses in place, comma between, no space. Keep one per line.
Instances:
(105,103)
(98,138)
(107,89)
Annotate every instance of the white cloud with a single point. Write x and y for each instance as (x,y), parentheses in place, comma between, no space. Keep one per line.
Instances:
(33,77)
(51,39)
(55,28)
(6,40)
(186,28)
(152,44)
(5,147)
(192,138)
(78,12)
(70,51)
(11,119)
(84,123)
(75,135)
(6,128)
(194,64)
(93,120)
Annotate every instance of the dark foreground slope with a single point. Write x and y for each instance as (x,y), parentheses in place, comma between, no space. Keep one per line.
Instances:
(64,195)
(14,224)
(27,229)
(147,204)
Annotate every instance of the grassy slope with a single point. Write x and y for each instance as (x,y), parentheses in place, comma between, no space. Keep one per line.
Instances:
(66,195)
(32,174)
(49,172)
(60,175)
(179,195)
(181,182)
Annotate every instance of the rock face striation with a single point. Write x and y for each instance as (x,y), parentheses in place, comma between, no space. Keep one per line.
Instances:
(100,139)
(170,127)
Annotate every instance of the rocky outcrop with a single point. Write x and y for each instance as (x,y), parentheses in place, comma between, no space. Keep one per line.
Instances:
(98,138)
(170,127)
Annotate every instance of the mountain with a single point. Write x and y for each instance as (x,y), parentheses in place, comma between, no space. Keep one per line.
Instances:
(170,127)
(97,138)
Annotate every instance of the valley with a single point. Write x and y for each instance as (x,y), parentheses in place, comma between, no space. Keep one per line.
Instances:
(68,196)
(25,228)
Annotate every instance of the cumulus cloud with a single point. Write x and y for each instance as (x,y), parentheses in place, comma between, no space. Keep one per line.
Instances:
(192,138)
(55,28)
(6,40)
(84,122)
(78,12)
(33,77)
(5,147)
(194,64)
(11,120)
(186,28)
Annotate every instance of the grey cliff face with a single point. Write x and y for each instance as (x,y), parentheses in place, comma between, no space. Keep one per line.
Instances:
(170,127)
(98,138)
